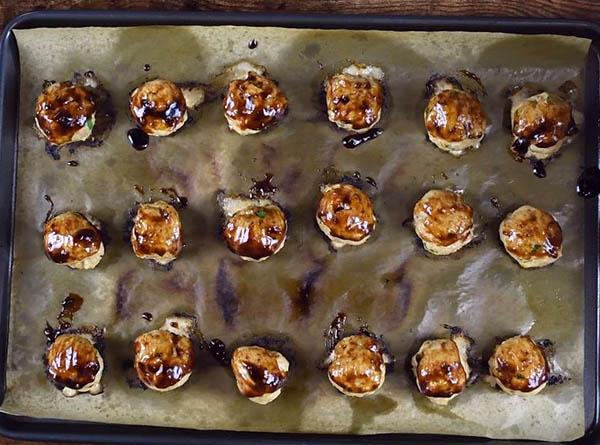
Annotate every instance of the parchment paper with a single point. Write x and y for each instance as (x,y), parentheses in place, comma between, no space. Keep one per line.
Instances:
(389,282)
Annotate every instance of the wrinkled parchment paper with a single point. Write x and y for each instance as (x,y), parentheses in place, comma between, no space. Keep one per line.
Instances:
(389,282)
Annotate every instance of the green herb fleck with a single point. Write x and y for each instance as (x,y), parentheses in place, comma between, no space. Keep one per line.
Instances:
(536,248)
(89,123)
(261,213)
(520,376)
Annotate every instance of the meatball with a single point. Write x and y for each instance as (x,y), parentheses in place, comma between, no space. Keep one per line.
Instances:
(519,366)
(454,118)
(65,113)
(443,221)
(254,229)
(156,233)
(74,364)
(71,239)
(532,237)
(260,374)
(345,215)
(354,98)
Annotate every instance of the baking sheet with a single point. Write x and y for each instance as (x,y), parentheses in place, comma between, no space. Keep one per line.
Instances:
(389,282)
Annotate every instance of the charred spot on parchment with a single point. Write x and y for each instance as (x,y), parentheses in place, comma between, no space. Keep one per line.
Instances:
(398,286)
(226,295)
(123,294)
(303,300)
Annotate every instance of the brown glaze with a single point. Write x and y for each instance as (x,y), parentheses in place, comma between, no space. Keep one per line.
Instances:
(69,306)
(255,103)
(72,361)
(156,230)
(543,120)
(70,237)
(520,364)
(440,372)
(162,359)
(158,106)
(347,211)
(357,364)
(455,115)
(353,100)
(256,371)
(62,109)
(445,217)
(256,232)
(532,233)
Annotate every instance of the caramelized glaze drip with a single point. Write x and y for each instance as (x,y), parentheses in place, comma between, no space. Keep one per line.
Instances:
(354,140)
(588,183)
(69,306)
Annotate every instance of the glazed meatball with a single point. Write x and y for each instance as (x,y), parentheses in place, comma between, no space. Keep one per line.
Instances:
(345,215)
(519,366)
(354,98)
(532,237)
(156,233)
(71,239)
(260,374)
(443,221)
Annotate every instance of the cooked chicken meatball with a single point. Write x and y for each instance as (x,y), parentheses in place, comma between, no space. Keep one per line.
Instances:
(519,366)
(74,364)
(345,215)
(71,239)
(454,118)
(541,124)
(254,229)
(164,357)
(441,368)
(158,107)
(532,237)
(253,102)
(156,233)
(354,97)
(260,374)
(357,365)
(443,221)
(65,113)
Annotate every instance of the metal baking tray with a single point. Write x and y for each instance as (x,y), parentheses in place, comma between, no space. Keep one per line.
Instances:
(58,430)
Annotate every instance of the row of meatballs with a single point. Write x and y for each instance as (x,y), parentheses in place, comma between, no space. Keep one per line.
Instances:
(255,228)
(356,364)
(455,120)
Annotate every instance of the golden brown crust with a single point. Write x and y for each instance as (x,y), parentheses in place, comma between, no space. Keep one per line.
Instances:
(519,364)
(347,212)
(531,234)
(156,231)
(158,107)
(256,231)
(357,365)
(70,237)
(62,109)
(353,101)
(72,361)
(257,371)
(442,217)
(543,120)
(163,359)
(439,370)
(254,103)
(455,115)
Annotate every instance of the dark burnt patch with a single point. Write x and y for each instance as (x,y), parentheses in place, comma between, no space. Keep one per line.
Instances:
(303,300)
(124,294)
(226,295)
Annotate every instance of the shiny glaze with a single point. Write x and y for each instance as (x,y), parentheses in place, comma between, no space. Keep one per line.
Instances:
(72,361)
(353,100)
(156,230)
(147,316)
(543,120)
(263,188)
(442,217)
(256,371)
(588,183)
(158,106)
(254,103)
(357,364)
(138,139)
(347,211)
(70,237)
(354,140)
(538,168)
(440,372)
(256,232)
(162,358)
(454,115)
(62,109)
(218,350)
(520,364)
(532,233)
(69,306)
